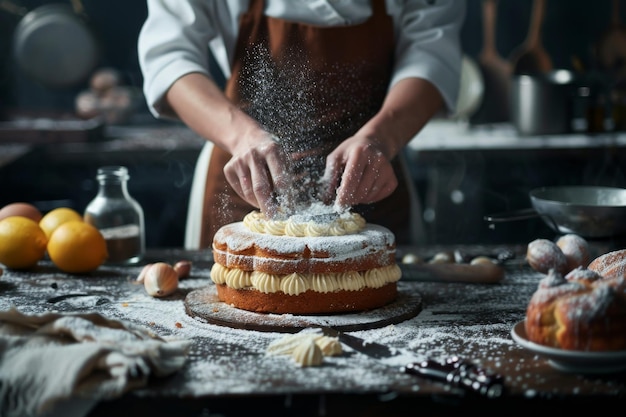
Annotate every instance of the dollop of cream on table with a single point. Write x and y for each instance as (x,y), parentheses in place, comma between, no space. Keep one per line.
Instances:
(306,348)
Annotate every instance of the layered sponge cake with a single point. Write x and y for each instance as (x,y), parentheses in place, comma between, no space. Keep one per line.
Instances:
(306,264)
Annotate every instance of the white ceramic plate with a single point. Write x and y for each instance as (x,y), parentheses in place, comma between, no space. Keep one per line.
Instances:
(573,360)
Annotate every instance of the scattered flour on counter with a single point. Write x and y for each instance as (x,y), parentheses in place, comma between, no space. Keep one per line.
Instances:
(214,371)
(225,360)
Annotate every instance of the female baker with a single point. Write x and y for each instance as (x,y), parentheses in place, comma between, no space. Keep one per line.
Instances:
(320,98)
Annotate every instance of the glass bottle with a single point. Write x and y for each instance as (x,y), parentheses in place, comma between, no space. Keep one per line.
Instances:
(118,216)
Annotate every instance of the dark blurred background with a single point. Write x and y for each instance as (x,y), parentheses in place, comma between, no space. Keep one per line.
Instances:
(570,29)
(161,166)
(115,24)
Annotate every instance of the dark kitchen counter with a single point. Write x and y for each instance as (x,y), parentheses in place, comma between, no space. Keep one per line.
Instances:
(450,135)
(461,174)
(439,135)
(103,144)
(464,173)
(12,152)
(160,158)
(229,372)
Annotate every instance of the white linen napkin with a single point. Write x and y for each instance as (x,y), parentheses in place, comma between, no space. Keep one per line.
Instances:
(53,360)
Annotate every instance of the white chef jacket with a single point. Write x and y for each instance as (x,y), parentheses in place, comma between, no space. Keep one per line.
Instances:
(177,35)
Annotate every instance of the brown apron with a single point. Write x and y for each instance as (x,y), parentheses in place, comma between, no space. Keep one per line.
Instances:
(312,87)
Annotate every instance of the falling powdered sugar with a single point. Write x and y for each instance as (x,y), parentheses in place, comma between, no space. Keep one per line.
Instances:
(309,108)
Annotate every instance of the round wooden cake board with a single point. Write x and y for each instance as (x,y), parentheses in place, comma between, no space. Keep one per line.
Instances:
(204,304)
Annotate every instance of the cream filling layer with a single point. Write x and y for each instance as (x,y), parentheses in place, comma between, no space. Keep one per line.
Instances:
(302,226)
(294,284)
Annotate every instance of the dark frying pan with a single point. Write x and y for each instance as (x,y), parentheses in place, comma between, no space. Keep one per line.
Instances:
(588,211)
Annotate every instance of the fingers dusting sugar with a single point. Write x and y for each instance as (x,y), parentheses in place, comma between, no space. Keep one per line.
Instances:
(309,109)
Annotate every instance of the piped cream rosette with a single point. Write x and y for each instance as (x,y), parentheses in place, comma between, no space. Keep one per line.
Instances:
(306,225)
(294,284)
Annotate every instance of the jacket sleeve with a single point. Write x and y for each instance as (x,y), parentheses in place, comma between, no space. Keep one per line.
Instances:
(173,42)
(177,35)
(428,45)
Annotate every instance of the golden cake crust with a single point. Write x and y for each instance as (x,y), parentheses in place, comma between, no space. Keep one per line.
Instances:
(309,302)
(610,264)
(581,311)
(312,269)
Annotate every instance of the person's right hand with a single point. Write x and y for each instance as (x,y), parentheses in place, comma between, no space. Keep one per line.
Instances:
(358,172)
(257,172)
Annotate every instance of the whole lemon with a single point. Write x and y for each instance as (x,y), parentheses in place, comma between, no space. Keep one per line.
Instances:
(56,217)
(22,242)
(77,247)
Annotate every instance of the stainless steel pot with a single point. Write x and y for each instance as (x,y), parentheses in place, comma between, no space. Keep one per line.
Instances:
(541,104)
(588,211)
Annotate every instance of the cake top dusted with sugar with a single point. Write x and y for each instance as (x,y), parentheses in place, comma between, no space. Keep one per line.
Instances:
(319,220)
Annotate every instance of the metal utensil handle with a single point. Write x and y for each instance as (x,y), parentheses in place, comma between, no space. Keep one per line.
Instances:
(507,216)
(461,374)
(522,214)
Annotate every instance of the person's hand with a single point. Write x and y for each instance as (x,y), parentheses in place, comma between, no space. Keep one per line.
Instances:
(359,172)
(257,173)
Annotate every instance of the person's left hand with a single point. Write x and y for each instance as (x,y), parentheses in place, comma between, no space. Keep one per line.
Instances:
(359,172)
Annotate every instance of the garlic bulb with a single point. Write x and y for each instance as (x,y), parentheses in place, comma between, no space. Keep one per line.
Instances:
(142,274)
(160,280)
(442,258)
(411,258)
(482,260)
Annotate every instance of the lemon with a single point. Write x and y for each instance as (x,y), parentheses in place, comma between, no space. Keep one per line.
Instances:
(54,218)
(77,247)
(22,242)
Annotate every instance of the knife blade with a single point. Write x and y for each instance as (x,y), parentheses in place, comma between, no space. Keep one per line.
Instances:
(453,371)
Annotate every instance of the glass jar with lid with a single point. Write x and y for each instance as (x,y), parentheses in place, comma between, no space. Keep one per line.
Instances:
(118,216)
